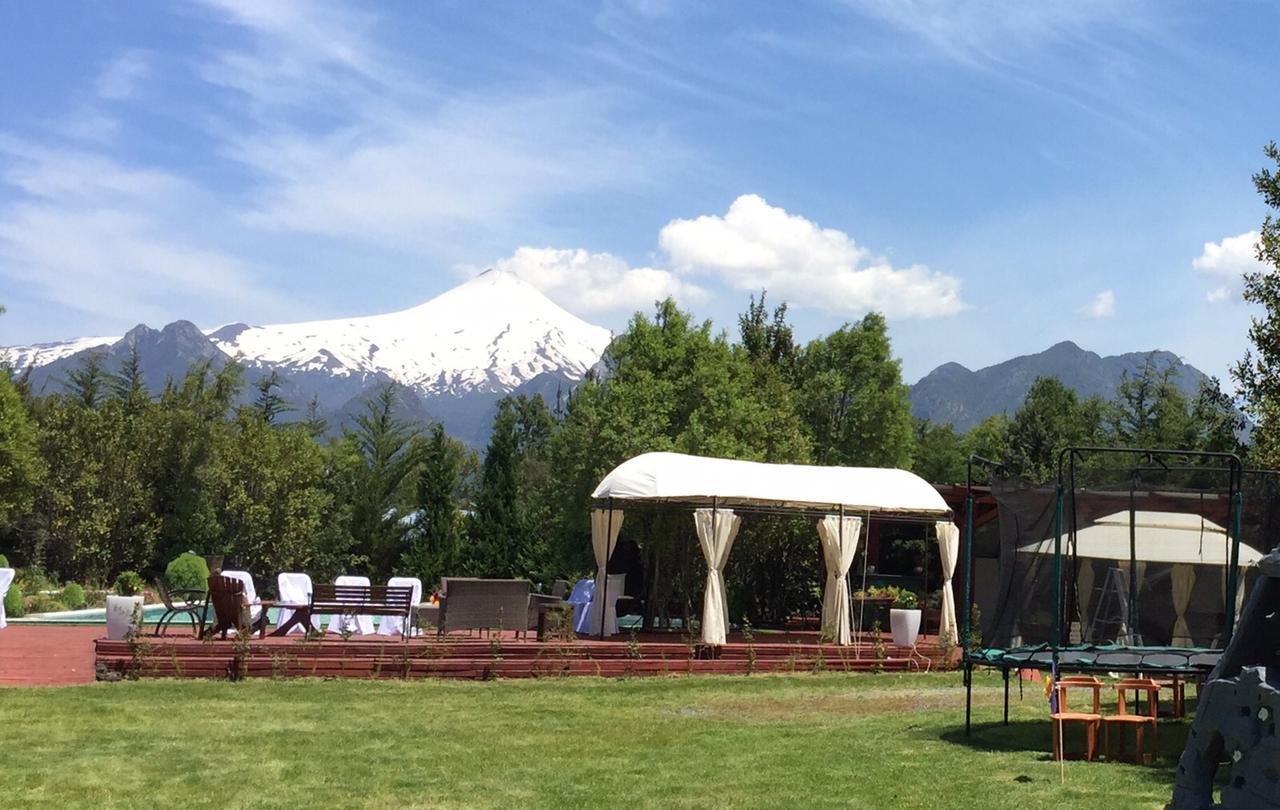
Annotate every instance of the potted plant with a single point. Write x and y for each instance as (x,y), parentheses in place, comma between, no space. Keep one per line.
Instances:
(904,618)
(124,607)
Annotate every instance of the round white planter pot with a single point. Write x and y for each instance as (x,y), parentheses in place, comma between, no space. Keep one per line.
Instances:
(120,615)
(905,625)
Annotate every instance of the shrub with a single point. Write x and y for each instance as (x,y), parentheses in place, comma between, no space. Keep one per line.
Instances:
(4,561)
(187,572)
(73,596)
(129,583)
(43,603)
(906,600)
(13,607)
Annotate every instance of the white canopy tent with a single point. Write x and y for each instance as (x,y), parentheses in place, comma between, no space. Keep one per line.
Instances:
(1183,540)
(1159,537)
(837,496)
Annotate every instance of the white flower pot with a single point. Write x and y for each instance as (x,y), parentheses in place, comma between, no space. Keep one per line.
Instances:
(905,625)
(120,615)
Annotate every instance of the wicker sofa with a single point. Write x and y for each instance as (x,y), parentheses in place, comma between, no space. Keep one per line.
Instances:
(484,604)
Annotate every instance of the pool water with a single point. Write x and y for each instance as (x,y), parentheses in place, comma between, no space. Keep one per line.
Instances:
(150,615)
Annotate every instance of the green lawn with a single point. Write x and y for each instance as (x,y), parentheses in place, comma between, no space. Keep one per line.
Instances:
(874,741)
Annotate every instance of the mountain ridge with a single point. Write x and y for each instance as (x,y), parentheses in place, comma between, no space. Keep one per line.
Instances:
(954,394)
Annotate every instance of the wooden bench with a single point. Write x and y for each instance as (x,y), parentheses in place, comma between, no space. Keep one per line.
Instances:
(362,600)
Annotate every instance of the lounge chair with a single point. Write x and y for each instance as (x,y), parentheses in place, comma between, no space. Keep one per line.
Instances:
(193,607)
(232,609)
(484,604)
(294,589)
(6,579)
(394,625)
(356,625)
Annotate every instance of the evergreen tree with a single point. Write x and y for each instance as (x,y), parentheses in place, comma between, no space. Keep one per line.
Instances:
(495,531)
(433,547)
(269,404)
(383,441)
(1257,375)
(128,385)
(88,382)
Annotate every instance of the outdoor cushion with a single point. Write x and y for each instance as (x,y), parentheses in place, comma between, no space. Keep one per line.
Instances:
(394,625)
(6,579)
(357,625)
(295,588)
(250,593)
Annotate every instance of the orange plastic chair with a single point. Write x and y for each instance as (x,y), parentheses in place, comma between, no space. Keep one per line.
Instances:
(1137,721)
(1090,720)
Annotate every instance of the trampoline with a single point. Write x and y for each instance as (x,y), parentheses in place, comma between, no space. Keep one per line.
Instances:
(1132,563)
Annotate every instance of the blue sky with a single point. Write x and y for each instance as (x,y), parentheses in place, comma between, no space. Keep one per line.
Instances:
(995,176)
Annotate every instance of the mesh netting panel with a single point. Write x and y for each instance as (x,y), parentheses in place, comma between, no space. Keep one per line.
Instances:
(1145,558)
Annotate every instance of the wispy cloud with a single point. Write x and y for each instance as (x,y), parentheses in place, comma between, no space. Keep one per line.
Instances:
(1103,305)
(123,75)
(587,282)
(331,132)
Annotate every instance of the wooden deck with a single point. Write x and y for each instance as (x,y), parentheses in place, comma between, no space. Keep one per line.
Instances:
(501,656)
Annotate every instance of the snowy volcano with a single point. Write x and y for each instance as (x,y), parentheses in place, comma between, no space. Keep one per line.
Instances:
(492,334)
(452,357)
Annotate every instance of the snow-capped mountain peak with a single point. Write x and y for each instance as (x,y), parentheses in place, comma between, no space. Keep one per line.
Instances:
(491,333)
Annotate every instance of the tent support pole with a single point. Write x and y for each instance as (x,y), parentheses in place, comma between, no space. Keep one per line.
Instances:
(1233,574)
(608,552)
(1132,618)
(965,602)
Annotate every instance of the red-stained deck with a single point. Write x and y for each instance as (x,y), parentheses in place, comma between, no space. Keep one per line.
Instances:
(47,655)
(502,656)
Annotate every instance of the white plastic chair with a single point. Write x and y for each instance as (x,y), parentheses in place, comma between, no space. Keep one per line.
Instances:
(356,625)
(6,579)
(296,589)
(394,625)
(591,620)
(250,593)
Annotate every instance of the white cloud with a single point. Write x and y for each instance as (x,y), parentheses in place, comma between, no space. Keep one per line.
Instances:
(1226,262)
(113,241)
(757,246)
(403,162)
(1103,305)
(596,282)
(120,79)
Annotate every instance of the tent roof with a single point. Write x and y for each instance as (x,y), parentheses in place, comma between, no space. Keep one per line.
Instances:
(695,480)
(1164,537)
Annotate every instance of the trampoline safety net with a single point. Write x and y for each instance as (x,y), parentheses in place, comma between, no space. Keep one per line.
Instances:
(1146,563)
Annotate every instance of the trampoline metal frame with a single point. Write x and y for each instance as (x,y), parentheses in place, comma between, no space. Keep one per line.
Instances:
(1227,462)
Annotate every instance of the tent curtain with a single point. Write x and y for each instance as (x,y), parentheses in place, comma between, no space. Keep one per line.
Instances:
(948,550)
(1084,594)
(839,545)
(717,529)
(605,525)
(1183,578)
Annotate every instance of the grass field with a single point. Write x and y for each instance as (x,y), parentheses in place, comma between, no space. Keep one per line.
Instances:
(874,741)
